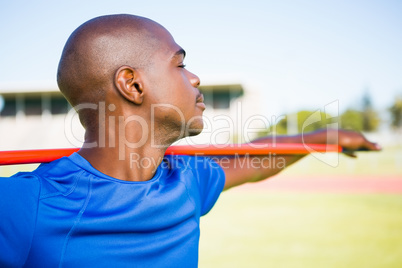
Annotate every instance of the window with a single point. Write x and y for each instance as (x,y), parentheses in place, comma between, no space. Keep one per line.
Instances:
(58,105)
(33,105)
(220,96)
(220,99)
(9,107)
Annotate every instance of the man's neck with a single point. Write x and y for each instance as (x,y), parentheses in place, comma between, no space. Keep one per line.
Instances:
(122,160)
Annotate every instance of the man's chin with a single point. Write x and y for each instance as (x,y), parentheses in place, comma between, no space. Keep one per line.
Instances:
(194,130)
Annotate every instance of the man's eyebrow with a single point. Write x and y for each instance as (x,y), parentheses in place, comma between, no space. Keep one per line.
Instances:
(179,53)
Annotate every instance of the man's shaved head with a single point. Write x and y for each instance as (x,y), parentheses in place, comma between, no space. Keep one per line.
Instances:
(97,48)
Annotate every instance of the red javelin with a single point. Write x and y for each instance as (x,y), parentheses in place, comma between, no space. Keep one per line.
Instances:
(48,155)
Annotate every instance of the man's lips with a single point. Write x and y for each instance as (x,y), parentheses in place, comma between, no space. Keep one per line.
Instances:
(200,98)
(200,101)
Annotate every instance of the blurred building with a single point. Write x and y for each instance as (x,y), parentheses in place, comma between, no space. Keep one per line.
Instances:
(35,116)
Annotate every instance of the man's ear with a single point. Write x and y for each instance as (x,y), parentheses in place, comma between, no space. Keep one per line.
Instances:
(128,82)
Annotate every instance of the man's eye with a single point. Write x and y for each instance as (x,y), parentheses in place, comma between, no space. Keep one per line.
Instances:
(182,66)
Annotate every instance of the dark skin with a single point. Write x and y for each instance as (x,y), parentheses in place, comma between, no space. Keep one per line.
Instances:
(134,68)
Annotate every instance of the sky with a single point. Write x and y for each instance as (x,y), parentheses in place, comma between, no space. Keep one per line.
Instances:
(294,54)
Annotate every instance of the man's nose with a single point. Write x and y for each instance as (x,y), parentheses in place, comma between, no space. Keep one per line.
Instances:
(194,80)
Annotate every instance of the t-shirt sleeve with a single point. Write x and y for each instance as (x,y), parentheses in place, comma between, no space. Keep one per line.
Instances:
(211,180)
(18,208)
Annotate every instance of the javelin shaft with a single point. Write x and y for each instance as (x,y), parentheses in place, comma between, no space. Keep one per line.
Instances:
(48,155)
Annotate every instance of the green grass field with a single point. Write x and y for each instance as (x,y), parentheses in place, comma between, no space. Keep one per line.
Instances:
(265,229)
(262,229)
(302,230)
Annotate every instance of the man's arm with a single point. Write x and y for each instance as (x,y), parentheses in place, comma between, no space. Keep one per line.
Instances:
(239,170)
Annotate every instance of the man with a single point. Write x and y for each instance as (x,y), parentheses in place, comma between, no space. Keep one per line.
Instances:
(95,208)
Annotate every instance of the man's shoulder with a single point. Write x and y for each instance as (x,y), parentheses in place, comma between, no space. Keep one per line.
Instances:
(20,183)
(48,179)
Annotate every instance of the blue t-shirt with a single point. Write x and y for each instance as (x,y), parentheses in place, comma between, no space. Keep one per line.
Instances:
(68,214)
